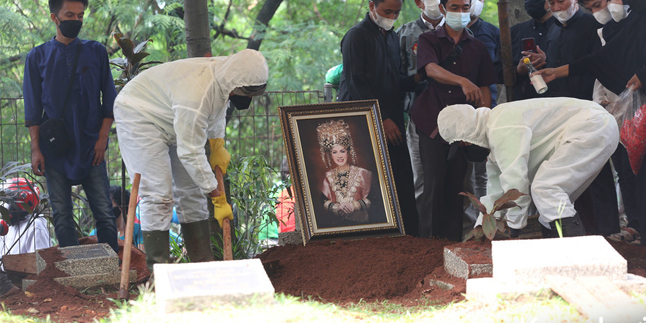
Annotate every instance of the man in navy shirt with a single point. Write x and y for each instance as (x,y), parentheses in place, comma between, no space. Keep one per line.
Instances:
(88,118)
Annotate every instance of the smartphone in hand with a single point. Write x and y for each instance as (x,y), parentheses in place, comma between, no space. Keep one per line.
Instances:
(529,45)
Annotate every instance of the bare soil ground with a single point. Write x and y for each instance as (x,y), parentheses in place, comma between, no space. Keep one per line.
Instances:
(400,270)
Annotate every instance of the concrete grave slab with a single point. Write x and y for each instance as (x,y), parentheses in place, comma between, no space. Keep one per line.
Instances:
(457,262)
(200,286)
(89,259)
(87,281)
(529,261)
(490,289)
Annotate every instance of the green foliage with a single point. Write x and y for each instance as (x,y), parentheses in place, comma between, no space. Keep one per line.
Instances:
(490,225)
(130,65)
(254,191)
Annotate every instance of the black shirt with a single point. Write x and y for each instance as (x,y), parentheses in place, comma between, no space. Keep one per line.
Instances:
(372,69)
(621,58)
(567,43)
(523,89)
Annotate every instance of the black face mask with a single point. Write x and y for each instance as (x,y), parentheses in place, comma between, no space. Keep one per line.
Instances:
(70,28)
(638,6)
(116,211)
(240,102)
(535,8)
(475,154)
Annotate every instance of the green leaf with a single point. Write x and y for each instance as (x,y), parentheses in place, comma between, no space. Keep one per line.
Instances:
(117,37)
(507,205)
(126,47)
(489,226)
(475,202)
(509,196)
(136,58)
(501,226)
(141,46)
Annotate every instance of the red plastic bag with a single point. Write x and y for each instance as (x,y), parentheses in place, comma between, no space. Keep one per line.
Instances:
(633,127)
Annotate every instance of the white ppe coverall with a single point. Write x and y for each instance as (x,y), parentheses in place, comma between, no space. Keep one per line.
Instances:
(164,117)
(548,148)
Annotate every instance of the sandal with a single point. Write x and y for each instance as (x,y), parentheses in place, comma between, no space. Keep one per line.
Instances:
(626,235)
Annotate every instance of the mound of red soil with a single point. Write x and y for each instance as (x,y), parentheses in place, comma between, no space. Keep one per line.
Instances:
(66,304)
(401,270)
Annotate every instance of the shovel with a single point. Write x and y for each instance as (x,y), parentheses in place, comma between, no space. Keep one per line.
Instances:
(226,226)
(127,246)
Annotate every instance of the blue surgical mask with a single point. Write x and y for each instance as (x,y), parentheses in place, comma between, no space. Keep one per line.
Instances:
(457,20)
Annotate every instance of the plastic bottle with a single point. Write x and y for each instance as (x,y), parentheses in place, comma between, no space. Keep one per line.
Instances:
(537,79)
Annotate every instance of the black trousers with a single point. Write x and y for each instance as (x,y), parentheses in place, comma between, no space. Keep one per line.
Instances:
(403,176)
(443,181)
(633,190)
(598,207)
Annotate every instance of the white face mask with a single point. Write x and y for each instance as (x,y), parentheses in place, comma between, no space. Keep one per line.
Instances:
(432,9)
(602,16)
(617,11)
(564,15)
(457,20)
(476,8)
(383,22)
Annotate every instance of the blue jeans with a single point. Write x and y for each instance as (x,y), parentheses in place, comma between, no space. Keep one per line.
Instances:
(97,191)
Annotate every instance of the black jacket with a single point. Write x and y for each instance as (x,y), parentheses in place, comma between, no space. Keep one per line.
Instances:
(568,43)
(621,58)
(372,69)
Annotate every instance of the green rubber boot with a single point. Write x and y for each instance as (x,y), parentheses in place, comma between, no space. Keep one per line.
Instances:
(157,248)
(197,240)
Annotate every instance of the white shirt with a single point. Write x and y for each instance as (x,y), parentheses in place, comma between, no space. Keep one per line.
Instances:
(35,237)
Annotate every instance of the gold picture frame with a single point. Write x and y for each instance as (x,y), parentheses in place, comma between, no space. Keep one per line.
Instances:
(353,194)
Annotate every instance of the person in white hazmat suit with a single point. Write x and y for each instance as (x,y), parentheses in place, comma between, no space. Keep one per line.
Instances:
(164,117)
(548,148)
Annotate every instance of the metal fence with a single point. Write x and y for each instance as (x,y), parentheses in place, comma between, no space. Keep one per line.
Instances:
(255,131)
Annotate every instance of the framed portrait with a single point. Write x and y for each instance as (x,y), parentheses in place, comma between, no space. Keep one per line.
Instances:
(340,169)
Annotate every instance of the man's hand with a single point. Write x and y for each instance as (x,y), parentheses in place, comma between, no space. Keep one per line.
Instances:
(548,74)
(99,150)
(219,156)
(37,162)
(635,82)
(392,132)
(472,92)
(539,60)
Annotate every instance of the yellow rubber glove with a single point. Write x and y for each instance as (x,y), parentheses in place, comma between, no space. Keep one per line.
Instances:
(219,155)
(221,209)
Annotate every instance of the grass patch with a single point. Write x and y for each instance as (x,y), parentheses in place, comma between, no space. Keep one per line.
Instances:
(288,308)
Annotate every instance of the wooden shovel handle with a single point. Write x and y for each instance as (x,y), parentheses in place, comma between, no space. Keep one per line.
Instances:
(226,226)
(127,245)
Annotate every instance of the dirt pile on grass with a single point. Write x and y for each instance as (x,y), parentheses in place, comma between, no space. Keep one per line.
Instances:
(66,304)
(401,270)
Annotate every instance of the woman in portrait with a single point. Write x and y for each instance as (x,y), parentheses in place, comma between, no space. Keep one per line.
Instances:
(345,187)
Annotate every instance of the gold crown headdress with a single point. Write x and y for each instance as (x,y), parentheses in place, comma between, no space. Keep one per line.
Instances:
(332,133)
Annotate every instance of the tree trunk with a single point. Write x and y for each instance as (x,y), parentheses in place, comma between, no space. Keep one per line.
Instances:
(517,13)
(196,20)
(262,22)
(514,13)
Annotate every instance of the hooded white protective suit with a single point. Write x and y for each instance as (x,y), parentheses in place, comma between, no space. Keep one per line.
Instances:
(548,148)
(164,117)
